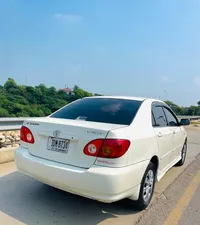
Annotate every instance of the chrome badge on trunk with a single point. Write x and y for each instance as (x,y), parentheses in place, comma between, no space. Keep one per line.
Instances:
(56,133)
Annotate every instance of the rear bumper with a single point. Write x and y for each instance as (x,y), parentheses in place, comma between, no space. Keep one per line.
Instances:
(100,183)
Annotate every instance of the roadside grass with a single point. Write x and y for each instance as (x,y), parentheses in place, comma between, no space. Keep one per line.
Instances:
(195,122)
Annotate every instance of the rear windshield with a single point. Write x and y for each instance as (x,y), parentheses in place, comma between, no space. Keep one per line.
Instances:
(102,110)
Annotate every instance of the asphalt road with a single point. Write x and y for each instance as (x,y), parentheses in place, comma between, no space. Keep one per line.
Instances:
(26,201)
(180,203)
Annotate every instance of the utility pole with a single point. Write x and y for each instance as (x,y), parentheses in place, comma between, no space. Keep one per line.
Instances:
(165,94)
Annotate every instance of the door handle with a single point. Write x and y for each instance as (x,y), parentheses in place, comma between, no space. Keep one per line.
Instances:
(160,135)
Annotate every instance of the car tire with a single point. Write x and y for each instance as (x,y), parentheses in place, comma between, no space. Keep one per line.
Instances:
(183,155)
(146,188)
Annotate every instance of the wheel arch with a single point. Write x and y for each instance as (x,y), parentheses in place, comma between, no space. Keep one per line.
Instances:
(155,161)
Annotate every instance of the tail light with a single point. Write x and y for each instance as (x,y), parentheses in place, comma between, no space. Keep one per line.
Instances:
(108,148)
(26,135)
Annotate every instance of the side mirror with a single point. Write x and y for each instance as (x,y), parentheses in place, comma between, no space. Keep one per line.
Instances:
(185,122)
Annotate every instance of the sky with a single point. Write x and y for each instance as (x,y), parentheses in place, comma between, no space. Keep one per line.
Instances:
(113,47)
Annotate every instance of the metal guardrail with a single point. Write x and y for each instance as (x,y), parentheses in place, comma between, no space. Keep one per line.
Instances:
(16,123)
(189,117)
(7,124)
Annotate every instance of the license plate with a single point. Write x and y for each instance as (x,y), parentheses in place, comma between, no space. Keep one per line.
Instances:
(58,144)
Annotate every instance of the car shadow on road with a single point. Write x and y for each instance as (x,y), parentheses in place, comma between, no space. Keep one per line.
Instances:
(32,202)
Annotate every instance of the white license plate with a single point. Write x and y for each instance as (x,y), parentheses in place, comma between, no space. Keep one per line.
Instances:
(58,144)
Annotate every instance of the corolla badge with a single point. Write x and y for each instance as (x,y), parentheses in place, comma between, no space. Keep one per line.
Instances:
(56,133)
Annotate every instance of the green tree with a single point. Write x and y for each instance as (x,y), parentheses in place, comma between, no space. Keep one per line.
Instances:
(80,93)
(177,109)
(193,110)
(4,113)
(97,94)
(76,87)
(17,99)
(10,83)
(21,100)
(46,110)
(52,91)
(43,88)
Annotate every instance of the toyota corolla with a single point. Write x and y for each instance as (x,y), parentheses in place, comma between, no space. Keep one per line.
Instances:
(104,148)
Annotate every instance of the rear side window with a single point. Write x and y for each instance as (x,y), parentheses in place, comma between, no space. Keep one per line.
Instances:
(103,110)
(159,116)
(172,121)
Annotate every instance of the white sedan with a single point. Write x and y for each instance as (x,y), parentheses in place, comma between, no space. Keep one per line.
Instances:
(104,148)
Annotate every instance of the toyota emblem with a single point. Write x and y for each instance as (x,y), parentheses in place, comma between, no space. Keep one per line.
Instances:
(56,133)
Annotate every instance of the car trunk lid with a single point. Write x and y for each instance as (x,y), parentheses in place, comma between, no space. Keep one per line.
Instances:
(63,140)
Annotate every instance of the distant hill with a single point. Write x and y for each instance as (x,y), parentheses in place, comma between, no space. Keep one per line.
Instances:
(27,101)
(22,101)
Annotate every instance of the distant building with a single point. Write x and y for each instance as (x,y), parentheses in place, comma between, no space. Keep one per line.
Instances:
(68,90)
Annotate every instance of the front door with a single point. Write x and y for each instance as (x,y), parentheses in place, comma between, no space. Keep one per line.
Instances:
(178,133)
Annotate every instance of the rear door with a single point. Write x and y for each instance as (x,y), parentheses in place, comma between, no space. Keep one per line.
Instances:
(164,135)
(178,134)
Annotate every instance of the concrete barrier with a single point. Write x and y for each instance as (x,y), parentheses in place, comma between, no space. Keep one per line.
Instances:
(7,154)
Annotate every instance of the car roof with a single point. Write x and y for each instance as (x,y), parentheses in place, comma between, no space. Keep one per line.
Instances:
(126,98)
